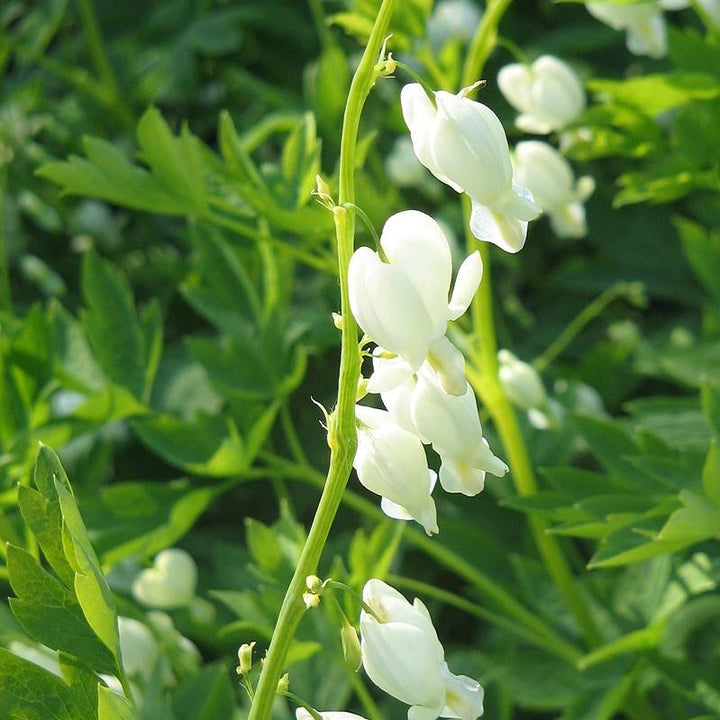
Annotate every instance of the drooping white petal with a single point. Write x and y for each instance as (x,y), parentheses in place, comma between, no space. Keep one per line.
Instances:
(388,373)
(466,285)
(388,307)
(463,697)
(459,476)
(415,243)
(447,365)
(419,115)
(507,233)
(391,463)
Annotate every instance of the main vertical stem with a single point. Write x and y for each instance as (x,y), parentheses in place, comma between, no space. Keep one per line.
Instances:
(342,434)
(485,359)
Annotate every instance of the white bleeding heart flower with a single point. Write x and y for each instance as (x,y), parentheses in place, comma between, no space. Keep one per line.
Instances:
(403,656)
(643,23)
(548,94)
(548,175)
(139,648)
(402,304)
(452,425)
(463,144)
(169,583)
(391,462)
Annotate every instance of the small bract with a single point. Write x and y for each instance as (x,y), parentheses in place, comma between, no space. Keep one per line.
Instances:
(548,94)
(547,174)
(463,144)
(403,656)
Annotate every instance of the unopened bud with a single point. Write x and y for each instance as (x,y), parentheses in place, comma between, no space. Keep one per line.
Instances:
(351,646)
(311,600)
(337,320)
(313,584)
(521,382)
(245,658)
(283,683)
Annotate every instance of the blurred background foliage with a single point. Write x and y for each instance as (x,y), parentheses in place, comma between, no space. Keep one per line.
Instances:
(166,290)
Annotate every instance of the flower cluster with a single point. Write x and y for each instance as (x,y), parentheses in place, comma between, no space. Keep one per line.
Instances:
(402,302)
(549,96)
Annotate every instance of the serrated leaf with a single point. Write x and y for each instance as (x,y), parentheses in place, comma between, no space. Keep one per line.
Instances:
(111,324)
(176,161)
(42,515)
(30,692)
(109,175)
(50,613)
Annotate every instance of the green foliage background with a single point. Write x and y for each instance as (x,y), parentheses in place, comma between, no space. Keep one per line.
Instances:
(166,290)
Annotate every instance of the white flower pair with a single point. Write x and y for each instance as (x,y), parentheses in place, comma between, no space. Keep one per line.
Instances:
(402,655)
(403,306)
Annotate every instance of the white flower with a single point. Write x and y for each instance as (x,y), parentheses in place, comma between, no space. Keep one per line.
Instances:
(391,462)
(711,9)
(303,714)
(463,144)
(453,20)
(548,94)
(521,382)
(139,648)
(643,22)
(452,425)
(402,304)
(169,583)
(550,178)
(403,656)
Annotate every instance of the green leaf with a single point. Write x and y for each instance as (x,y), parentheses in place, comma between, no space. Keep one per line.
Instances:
(29,692)
(112,706)
(698,520)
(262,544)
(107,174)
(655,94)
(50,613)
(111,324)
(207,696)
(151,327)
(301,160)
(210,445)
(143,518)
(176,161)
(710,396)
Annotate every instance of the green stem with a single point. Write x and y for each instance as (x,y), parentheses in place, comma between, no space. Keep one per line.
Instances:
(484,356)
(342,435)
(583,318)
(5,294)
(103,68)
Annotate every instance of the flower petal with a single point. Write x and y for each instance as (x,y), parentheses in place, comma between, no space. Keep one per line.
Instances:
(507,233)
(466,285)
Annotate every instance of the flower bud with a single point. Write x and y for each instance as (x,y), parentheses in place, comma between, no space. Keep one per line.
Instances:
(283,683)
(549,177)
(311,600)
(463,144)
(245,652)
(521,382)
(350,646)
(548,94)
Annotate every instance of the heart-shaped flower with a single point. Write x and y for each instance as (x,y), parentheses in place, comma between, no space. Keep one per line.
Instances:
(169,583)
